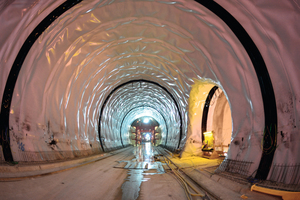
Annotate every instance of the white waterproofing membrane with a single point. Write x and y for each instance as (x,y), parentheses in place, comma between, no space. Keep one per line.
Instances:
(98,45)
(150,113)
(135,100)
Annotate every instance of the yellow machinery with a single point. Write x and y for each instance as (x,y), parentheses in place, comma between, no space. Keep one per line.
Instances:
(208,142)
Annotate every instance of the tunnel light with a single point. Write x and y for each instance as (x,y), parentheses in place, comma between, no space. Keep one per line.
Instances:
(147,137)
(146,120)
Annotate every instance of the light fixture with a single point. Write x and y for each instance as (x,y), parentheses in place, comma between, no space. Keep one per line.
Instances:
(146,120)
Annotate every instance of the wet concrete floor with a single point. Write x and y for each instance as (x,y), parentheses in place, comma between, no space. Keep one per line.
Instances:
(131,174)
(142,165)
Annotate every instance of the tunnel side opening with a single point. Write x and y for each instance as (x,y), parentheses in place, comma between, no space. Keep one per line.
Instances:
(210,121)
(218,125)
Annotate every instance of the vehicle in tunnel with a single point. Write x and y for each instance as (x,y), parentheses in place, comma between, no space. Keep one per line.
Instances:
(76,75)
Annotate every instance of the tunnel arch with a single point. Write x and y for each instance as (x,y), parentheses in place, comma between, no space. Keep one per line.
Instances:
(8,109)
(164,120)
(145,128)
(16,67)
(209,114)
(220,122)
(140,82)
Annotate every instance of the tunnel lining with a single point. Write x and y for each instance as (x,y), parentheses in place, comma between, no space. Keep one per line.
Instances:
(15,69)
(265,83)
(134,81)
(264,79)
(144,107)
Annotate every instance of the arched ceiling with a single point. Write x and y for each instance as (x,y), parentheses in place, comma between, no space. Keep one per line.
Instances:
(133,100)
(68,70)
(91,50)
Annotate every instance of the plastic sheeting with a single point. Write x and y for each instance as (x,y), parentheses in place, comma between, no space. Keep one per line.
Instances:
(198,95)
(135,100)
(97,45)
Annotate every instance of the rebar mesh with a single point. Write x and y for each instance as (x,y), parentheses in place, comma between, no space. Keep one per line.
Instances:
(284,177)
(288,174)
(234,167)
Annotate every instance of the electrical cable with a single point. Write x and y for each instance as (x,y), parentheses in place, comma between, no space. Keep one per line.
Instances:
(272,147)
(186,184)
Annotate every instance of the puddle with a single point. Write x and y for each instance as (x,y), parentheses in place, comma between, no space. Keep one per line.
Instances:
(131,187)
(142,165)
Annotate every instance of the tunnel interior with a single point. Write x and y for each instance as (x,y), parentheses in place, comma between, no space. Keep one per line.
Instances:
(134,100)
(91,73)
(146,129)
(78,75)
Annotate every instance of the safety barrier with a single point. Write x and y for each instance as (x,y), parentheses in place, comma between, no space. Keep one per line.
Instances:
(234,167)
(284,177)
(288,174)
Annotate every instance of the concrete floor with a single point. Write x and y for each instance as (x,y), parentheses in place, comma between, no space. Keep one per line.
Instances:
(131,173)
(99,180)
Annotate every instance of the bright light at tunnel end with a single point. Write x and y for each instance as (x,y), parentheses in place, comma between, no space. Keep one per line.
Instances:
(148,137)
(146,120)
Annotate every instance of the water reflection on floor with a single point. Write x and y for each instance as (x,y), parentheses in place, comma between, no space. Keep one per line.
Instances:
(144,152)
(142,164)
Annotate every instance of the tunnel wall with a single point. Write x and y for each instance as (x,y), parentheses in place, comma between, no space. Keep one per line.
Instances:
(87,52)
(273,26)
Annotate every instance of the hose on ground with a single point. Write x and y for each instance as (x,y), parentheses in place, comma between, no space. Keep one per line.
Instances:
(182,180)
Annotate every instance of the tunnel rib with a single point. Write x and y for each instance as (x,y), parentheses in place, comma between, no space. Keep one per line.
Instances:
(206,109)
(15,69)
(139,107)
(133,81)
(254,54)
(263,77)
